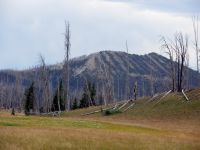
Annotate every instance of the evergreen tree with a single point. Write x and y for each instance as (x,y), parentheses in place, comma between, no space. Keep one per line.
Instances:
(59,98)
(55,106)
(75,105)
(84,102)
(13,111)
(29,99)
(87,95)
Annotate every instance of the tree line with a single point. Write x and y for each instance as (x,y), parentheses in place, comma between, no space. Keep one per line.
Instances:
(58,103)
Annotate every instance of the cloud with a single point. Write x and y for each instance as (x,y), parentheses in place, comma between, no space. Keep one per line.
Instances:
(175,6)
(36,26)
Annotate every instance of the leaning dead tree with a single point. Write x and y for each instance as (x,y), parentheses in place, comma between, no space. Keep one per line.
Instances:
(195,21)
(179,47)
(45,85)
(67,45)
(169,50)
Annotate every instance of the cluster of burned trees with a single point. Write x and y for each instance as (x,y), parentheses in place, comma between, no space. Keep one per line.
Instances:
(177,50)
(44,100)
(11,93)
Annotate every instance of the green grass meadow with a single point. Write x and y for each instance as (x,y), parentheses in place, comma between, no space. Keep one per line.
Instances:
(171,123)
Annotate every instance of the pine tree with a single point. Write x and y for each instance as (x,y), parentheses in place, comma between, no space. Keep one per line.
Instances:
(87,96)
(59,98)
(84,102)
(55,106)
(75,105)
(29,99)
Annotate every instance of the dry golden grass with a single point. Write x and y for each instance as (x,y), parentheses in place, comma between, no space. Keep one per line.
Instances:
(171,124)
(22,132)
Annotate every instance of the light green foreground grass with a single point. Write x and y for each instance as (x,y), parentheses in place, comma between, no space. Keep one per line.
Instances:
(22,132)
(170,124)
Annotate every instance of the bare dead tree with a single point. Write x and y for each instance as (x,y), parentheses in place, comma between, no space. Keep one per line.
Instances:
(88,90)
(195,21)
(151,76)
(67,45)
(107,82)
(18,91)
(135,90)
(143,88)
(37,77)
(110,84)
(45,84)
(169,50)
(102,78)
(187,72)
(180,47)
(128,72)
(118,92)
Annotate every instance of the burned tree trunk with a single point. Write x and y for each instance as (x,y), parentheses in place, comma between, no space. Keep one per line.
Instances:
(67,45)
(195,21)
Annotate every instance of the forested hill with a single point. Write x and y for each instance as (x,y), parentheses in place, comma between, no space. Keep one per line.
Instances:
(119,69)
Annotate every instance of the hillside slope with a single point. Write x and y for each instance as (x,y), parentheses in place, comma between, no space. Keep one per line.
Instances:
(100,68)
(168,123)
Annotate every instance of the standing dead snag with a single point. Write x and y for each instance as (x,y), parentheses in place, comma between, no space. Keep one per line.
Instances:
(45,85)
(151,76)
(195,21)
(179,47)
(170,52)
(135,91)
(67,45)
(187,72)
(128,72)
(110,96)
(182,48)
(107,84)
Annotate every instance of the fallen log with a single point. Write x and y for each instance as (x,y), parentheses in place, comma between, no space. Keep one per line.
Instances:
(129,107)
(151,99)
(124,105)
(97,111)
(116,105)
(163,97)
(185,95)
(55,113)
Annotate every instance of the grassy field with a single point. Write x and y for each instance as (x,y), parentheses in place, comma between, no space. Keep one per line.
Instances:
(170,123)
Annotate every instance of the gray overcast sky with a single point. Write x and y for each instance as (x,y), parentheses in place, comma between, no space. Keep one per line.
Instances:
(31,27)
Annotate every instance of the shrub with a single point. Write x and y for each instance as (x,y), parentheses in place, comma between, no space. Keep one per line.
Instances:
(110,112)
